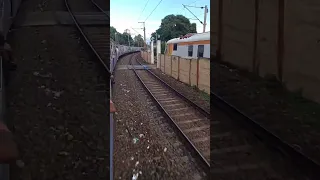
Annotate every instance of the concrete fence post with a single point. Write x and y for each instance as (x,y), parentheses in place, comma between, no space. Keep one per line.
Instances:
(178,68)
(164,63)
(152,53)
(158,54)
(190,72)
(198,72)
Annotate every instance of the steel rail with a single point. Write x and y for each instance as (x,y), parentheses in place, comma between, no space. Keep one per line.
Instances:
(308,165)
(85,37)
(97,6)
(106,68)
(203,160)
(203,111)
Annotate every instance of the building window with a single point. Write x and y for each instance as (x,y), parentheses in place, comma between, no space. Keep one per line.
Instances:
(175,47)
(200,50)
(190,50)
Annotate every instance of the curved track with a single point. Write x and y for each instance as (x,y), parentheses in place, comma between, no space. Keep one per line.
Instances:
(190,120)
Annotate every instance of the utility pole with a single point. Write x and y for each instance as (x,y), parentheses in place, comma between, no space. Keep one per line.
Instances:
(144,32)
(205,18)
(205,15)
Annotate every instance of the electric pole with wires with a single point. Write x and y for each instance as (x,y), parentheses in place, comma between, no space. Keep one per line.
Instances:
(204,23)
(144,33)
(205,18)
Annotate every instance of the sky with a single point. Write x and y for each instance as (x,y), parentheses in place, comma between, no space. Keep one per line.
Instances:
(125,14)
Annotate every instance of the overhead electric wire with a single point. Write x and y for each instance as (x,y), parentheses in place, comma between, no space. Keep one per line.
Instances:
(135,30)
(192,14)
(143,9)
(153,10)
(193,2)
(194,6)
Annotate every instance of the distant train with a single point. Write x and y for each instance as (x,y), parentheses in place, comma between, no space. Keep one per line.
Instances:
(190,46)
(117,50)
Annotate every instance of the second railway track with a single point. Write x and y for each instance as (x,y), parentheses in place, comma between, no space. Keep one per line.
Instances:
(96,37)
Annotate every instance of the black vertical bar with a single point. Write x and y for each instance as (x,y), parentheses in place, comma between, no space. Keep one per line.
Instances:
(280,55)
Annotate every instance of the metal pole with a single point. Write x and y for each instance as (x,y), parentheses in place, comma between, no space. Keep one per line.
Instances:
(144,31)
(205,18)
(111,141)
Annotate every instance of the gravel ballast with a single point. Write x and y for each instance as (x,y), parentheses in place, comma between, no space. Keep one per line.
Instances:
(60,120)
(145,144)
(293,118)
(200,98)
(58,116)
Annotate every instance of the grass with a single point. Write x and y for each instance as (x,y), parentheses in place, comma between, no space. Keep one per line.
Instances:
(205,96)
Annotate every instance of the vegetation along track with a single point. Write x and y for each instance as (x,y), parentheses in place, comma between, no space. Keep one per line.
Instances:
(97,38)
(189,119)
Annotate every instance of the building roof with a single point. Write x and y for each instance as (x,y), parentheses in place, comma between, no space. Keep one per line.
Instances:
(195,37)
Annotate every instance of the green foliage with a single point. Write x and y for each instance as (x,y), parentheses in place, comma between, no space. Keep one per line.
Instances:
(163,47)
(138,41)
(173,26)
(124,38)
(112,32)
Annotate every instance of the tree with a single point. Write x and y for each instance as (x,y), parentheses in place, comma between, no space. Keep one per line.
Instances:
(138,41)
(126,38)
(173,26)
(121,38)
(112,32)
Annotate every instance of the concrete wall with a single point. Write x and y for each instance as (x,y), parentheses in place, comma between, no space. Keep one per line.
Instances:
(184,70)
(174,67)
(162,62)
(204,75)
(299,67)
(167,65)
(302,45)
(194,72)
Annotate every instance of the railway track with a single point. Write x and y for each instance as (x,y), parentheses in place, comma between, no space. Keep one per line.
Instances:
(190,120)
(98,40)
(276,150)
(237,153)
